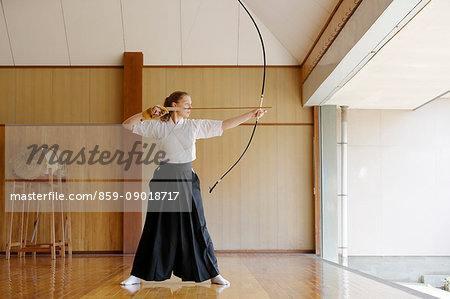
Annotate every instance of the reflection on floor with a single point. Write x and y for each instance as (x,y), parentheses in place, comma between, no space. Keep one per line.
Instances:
(251,276)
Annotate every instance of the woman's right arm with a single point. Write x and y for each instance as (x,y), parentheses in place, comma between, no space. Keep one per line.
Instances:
(156,111)
(132,120)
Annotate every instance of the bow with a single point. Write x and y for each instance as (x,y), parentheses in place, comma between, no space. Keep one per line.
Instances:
(260,103)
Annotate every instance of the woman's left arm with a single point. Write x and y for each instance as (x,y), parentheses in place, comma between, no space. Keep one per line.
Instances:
(237,120)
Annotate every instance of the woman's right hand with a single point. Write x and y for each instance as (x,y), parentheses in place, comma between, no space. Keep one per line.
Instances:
(156,110)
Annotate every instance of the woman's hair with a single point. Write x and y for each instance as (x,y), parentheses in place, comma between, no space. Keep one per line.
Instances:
(173,98)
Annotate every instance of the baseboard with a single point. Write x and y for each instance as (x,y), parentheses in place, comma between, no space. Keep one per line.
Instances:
(216,251)
(265,251)
(73,252)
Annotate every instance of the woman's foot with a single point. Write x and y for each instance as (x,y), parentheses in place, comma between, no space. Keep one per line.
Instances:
(131,280)
(219,280)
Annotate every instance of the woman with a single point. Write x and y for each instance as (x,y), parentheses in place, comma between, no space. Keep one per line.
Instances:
(178,241)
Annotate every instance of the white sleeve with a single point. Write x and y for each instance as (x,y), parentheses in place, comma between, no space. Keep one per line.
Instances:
(207,128)
(146,128)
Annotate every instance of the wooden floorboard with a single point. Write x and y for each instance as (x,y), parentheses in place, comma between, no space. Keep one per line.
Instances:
(252,275)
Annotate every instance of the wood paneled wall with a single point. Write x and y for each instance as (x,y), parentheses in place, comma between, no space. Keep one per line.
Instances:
(65,95)
(266,202)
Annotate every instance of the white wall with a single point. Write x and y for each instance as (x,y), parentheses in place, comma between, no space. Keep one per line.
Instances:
(399,181)
(328,183)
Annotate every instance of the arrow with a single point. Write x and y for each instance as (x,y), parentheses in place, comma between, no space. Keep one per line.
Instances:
(212,108)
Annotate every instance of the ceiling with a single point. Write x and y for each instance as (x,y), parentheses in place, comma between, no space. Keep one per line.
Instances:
(171,32)
(406,73)
(410,70)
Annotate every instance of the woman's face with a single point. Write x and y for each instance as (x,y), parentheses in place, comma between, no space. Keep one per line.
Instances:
(184,102)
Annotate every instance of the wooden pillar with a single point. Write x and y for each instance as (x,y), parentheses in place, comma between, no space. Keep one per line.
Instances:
(3,215)
(132,104)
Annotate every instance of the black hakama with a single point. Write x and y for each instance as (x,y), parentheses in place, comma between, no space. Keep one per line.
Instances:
(175,241)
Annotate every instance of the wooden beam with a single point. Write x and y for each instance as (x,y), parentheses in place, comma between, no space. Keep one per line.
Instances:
(341,14)
(132,104)
(132,83)
(3,215)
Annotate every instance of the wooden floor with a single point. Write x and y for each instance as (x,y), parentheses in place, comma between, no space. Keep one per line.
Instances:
(251,276)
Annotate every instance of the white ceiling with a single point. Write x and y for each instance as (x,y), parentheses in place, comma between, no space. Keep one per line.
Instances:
(171,32)
(409,70)
(296,24)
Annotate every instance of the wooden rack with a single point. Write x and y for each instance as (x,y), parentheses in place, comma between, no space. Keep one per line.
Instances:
(65,237)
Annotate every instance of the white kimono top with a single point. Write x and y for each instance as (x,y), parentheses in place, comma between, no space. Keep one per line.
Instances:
(178,140)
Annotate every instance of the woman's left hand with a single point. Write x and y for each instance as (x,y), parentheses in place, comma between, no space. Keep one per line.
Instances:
(258,112)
